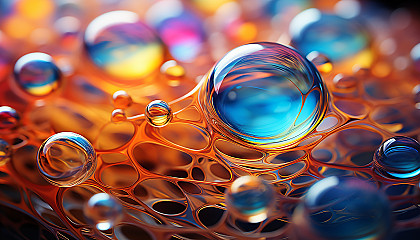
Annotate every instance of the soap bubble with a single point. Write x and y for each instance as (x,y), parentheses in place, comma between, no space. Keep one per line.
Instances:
(342,208)
(265,94)
(5,152)
(37,74)
(121,99)
(336,37)
(103,211)
(9,118)
(66,159)
(123,46)
(158,113)
(179,28)
(250,199)
(398,158)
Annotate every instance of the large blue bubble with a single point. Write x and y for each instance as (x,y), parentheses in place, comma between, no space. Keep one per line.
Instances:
(265,94)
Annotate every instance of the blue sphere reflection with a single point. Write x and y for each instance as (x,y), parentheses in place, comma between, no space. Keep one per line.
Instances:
(398,158)
(265,94)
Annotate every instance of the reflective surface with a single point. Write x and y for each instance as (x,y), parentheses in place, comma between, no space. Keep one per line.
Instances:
(103,211)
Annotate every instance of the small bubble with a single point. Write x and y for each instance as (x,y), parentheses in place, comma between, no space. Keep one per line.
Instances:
(415,56)
(9,118)
(121,99)
(66,159)
(103,211)
(5,152)
(172,69)
(344,82)
(37,74)
(398,158)
(321,62)
(118,115)
(158,113)
(250,199)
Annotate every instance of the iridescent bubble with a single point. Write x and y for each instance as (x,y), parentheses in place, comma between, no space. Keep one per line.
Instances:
(415,56)
(103,211)
(66,159)
(265,94)
(121,99)
(398,158)
(321,62)
(336,37)
(123,46)
(158,113)
(342,208)
(37,74)
(9,118)
(179,28)
(250,199)
(5,152)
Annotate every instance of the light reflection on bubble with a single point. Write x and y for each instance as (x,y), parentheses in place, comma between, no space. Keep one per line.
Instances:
(103,211)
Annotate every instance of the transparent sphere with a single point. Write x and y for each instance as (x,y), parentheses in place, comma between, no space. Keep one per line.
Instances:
(123,46)
(5,152)
(9,118)
(66,159)
(265,94)
(250,199)
(103,211)
(398,158)
(342,208)
(180,29)
(37,74)
(121,99)
(172,70)
(321,62)
(158,113)
(336,37)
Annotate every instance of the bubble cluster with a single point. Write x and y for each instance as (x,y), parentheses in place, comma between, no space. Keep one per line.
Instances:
(5,152)
(342,208)
(158,113)
(37,74)
(336,37)
(398,158)
(103,211)
(9,118)
(250,199)
(265,94)
(66,159)
(123,46)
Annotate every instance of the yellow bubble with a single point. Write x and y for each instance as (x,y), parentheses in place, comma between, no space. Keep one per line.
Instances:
(158,113)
